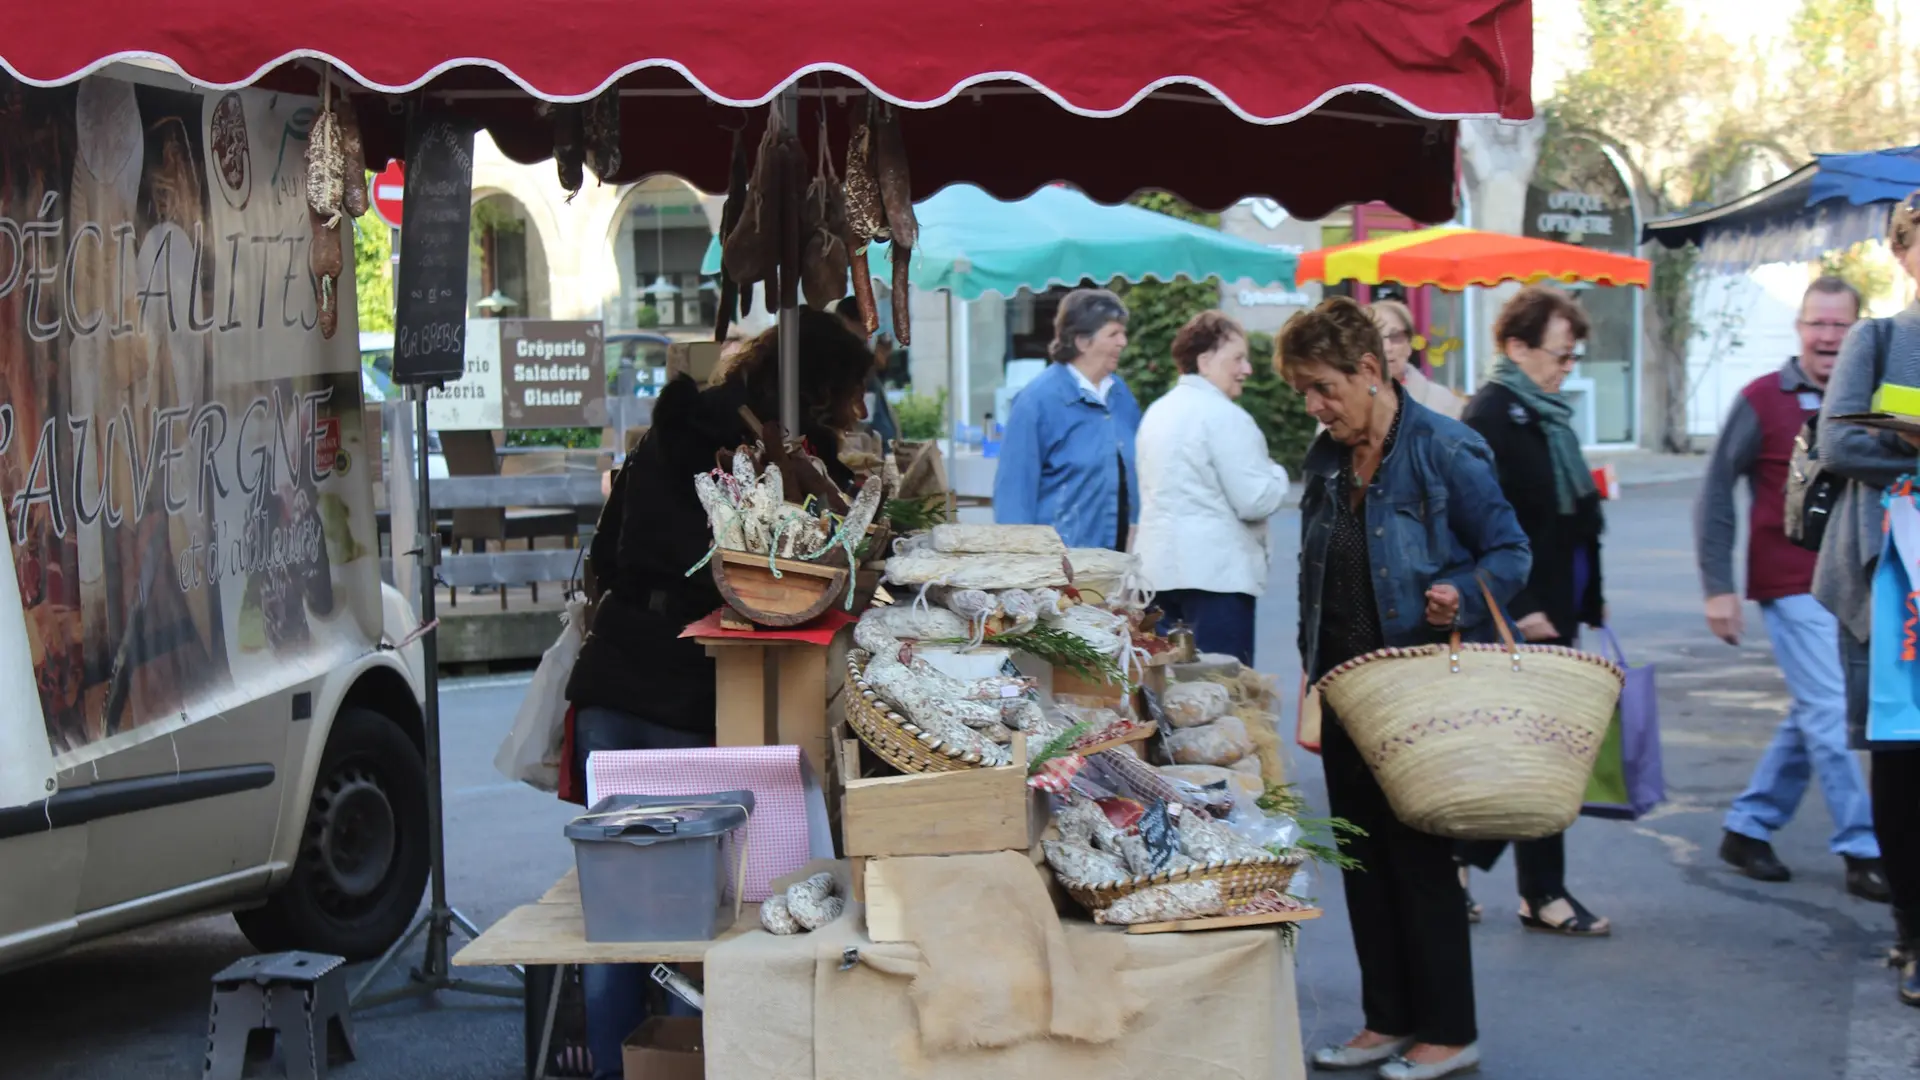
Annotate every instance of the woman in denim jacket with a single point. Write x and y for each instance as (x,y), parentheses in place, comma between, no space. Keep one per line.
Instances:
(1400,513)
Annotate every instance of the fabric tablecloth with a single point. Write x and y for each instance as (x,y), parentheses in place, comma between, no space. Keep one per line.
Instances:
(1218,1005)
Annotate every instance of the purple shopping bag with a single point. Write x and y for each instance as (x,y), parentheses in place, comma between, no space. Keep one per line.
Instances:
(1627,777)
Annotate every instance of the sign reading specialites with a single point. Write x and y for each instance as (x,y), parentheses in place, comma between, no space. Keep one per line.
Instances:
(552,374)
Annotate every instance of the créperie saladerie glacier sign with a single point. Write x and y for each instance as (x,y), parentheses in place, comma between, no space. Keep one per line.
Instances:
(552,374)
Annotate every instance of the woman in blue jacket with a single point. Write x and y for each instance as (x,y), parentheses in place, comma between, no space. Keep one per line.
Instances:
(1067,459)
(1401,518)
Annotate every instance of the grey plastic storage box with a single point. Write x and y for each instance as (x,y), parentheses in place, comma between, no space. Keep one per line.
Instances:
(655,868)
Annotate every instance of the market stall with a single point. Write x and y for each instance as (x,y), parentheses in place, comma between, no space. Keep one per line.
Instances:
(1368,94)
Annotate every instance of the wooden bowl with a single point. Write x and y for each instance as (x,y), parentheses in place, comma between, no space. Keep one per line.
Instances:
(802,592)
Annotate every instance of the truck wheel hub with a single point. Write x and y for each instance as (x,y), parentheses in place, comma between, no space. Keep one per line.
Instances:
(353,835)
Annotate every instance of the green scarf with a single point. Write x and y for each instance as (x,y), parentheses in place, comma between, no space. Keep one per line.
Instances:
(1572,479)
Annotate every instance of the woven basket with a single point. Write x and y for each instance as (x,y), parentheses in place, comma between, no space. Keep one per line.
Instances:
(1479,742)
(897,740)
(1240,881)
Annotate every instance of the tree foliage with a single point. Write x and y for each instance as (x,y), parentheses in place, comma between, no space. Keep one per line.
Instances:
(1699,120)
(1156,312)
(373,273)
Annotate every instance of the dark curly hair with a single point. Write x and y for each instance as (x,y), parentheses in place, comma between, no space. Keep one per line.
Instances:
(1337,333)
(1203,333)
(1525,318)
(834,364)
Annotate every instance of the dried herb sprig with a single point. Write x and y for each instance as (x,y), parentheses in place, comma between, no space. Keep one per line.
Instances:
(1286,799)
(1062,649)
(915,515)
(1059,746)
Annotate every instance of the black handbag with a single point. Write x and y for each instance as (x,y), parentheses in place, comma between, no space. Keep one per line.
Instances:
(1811,490)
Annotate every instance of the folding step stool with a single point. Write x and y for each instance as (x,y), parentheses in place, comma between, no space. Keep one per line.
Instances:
(300,996)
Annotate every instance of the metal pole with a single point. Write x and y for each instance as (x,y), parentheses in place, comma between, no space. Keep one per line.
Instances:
(439,922)
(953,392)
(436,959)
(789,335)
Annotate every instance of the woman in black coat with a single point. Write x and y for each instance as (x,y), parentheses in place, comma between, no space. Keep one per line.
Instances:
(638,685)
(1543,474)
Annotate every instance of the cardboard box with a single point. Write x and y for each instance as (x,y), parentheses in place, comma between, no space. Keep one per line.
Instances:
(696,359)
(665,1048)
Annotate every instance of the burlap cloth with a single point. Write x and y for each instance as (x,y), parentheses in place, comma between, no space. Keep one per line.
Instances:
(993,990)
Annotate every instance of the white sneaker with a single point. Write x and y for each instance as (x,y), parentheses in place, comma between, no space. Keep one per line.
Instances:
(1355,1057)
(1466,1061)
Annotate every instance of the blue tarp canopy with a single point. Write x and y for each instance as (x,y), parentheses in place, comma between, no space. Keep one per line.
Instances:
(1882,176)
(972,244)
(1833,203)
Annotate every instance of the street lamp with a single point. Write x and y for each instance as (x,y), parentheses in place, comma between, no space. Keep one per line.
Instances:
(496,302)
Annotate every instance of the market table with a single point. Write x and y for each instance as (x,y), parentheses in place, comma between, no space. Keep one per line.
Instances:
(552,933)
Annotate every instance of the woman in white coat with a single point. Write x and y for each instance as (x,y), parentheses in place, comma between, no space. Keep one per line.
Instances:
(1207,488)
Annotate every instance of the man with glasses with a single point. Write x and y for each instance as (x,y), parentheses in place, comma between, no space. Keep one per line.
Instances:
(1756,443)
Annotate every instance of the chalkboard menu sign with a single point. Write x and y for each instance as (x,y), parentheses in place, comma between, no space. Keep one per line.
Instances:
(429,340)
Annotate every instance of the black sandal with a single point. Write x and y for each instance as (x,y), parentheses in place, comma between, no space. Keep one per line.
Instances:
(1582,923)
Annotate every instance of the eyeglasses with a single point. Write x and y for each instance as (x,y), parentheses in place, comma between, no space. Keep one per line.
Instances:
(1827,324)
(1397,337)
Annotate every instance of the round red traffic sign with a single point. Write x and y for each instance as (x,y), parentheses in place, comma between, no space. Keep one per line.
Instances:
(389,191)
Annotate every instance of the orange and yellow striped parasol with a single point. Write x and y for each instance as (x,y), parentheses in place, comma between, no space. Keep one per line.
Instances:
(1454,258)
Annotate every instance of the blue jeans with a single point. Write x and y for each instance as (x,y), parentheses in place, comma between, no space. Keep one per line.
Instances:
(619,996)
(1221,622)
(1812,740)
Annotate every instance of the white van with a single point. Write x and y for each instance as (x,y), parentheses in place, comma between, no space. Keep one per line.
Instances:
(206,710)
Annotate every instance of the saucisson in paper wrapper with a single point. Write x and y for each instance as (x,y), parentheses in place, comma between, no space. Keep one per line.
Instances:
(1005,539)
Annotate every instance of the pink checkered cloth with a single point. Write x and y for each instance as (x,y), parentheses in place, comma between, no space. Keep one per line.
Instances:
(777,834)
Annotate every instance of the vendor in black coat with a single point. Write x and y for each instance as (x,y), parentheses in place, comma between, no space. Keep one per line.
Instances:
(638,685)
(653,530)
(1528,424)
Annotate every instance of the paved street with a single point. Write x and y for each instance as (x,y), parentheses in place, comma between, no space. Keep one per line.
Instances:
(1708,975)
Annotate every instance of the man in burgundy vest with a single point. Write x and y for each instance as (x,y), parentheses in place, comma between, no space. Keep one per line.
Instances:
(1756,444)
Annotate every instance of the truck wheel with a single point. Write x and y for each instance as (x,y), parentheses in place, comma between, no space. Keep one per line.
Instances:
(362,865)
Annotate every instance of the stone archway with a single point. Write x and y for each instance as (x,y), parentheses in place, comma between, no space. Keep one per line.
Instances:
(509,256)
(658,238)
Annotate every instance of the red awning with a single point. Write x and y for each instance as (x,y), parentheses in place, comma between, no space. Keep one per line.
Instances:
(1314,102)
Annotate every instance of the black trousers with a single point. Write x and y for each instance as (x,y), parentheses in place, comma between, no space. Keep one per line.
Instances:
(1896,822)
(1539,865)
(1407,909)
(1221,622)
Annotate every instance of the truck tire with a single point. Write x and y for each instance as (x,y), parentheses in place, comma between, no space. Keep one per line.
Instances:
(362,865)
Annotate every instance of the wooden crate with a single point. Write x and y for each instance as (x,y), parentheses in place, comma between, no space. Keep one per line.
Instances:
(956,813)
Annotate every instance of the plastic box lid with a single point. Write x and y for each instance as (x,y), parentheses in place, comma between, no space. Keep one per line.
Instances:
(654,819)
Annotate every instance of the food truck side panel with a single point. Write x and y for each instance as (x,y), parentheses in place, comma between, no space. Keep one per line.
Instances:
(185,478)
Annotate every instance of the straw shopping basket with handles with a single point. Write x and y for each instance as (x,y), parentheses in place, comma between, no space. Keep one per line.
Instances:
(1479,742)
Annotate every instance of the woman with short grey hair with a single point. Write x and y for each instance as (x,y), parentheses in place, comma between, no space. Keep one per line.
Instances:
(1067,459)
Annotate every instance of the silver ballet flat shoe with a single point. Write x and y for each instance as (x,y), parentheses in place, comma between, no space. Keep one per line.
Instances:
(1354,1057)
(1466,1061)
